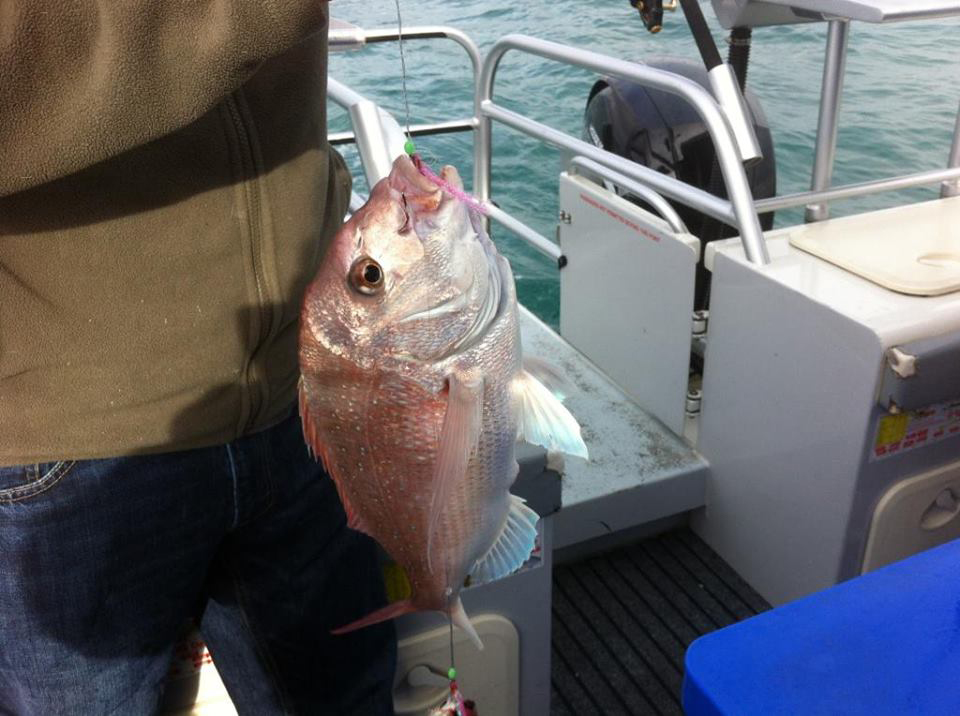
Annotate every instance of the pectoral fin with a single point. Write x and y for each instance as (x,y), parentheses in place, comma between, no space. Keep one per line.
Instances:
(458,441)
(543,420)
(548,374)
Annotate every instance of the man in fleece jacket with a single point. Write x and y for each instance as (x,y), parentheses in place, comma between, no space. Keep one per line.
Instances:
(166,192)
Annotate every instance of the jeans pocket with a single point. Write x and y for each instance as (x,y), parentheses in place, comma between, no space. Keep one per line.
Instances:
(21,482)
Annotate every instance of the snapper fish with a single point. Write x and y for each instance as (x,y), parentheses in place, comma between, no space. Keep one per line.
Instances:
(413,391)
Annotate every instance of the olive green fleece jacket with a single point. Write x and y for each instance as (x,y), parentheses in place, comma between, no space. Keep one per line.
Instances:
(166,192)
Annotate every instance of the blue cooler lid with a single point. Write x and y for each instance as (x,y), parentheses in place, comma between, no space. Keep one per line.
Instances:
(884,643)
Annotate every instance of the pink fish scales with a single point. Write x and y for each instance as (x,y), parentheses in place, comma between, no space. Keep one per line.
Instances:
(414,391)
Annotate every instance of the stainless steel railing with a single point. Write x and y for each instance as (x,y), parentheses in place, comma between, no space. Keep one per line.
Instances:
(947,176)
(373,127)
(951,187)
(834,67)
(378,136)
(661,205)
(740,205)
(376,131)
(828,122)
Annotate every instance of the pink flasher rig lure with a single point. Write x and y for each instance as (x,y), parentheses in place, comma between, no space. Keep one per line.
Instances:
(455,705)
(459,194)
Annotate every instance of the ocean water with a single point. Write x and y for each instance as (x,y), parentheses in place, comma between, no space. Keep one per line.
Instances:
(899,104)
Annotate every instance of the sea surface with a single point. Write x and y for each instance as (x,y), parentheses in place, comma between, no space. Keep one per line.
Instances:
(899,103)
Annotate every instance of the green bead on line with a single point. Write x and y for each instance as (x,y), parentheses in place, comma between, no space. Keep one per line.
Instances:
(451,673)
(408,147)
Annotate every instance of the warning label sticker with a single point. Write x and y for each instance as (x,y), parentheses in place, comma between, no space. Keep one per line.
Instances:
(902,432)
(619,217)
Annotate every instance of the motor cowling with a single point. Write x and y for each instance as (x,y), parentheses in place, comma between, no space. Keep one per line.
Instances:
(663,132)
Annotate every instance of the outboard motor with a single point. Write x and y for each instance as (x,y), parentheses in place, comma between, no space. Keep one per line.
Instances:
(663,132)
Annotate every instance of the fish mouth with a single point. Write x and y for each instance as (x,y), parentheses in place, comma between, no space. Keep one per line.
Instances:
(417,191)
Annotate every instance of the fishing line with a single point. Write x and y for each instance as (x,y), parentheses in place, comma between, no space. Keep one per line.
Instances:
(408,145)
(455,696)
(453,665)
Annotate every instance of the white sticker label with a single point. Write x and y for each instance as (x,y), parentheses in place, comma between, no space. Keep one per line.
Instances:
(896,434)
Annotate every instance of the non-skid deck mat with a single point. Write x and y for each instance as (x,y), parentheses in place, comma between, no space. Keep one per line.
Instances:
(623,620)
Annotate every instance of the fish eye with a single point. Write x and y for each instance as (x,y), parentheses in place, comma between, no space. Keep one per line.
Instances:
(366,276)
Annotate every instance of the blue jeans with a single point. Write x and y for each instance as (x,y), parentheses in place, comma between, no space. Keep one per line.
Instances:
(102,561)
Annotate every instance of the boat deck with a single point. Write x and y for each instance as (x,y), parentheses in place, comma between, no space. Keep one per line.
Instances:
(638,471)
(623,620)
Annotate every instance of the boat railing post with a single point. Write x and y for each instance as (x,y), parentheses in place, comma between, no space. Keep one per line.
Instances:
(834,67)
(731,165)
(482,148)
(952,186)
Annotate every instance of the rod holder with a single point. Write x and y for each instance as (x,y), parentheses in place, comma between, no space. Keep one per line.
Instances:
(723,81)
(727,92)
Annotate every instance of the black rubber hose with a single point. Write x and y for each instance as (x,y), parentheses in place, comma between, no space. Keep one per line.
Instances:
(701,33)
(710,228)
(739,55)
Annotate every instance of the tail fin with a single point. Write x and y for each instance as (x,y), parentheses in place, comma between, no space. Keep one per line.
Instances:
(390,611)
(461,619)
